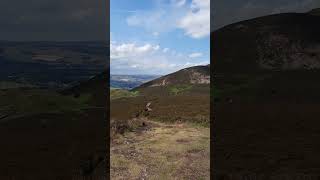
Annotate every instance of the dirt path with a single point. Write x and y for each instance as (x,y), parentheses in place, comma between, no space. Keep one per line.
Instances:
(162,152)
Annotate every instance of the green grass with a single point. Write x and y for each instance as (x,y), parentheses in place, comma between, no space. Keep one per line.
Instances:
(121,93)
(178,89)
(39,101)
(195,121)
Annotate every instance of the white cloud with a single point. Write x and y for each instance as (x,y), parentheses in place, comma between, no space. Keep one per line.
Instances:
(158,20)
(134,21)
(165,50)
(156,34)
(131,58)
(194,19)
(195,55)
(156,47)
(190,64)
(134,65)
(127,50)
(178,3)
(196,23)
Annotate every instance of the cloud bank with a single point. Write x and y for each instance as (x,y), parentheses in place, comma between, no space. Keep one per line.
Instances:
(131,58)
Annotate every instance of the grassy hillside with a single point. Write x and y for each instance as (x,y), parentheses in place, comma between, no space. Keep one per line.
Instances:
(183,103)
(39,101)
(142,141)
(266,93)
(97,86)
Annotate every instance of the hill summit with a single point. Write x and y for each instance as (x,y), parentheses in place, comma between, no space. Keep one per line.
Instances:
(287,41)
(191,75)
(315,12)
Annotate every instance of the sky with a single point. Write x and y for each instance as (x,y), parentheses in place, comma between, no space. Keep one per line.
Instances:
(81,20)
(54,20)
(231,11)
(158,36)
(163,35)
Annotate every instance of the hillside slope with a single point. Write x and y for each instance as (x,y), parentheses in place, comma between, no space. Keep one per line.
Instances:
(97,86)
(171,111)
(191,75)
(266,94)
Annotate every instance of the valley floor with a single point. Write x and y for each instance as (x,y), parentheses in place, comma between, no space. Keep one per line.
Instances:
(162,151)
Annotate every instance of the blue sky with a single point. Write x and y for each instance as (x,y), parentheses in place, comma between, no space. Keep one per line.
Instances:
(158,36)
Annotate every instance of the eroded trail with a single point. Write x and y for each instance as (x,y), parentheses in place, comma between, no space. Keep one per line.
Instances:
(162,151)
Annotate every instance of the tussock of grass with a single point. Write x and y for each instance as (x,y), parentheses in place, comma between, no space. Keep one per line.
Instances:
(124,125)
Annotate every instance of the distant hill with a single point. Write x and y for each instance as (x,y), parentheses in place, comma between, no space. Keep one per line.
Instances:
(288,41)
(315,12)
(98,82)
(187,76)
(51,64)
(182,95)
(90,52)
(129,81)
